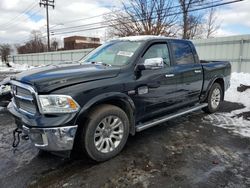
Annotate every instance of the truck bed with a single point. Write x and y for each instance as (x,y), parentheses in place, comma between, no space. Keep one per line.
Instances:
(213,69)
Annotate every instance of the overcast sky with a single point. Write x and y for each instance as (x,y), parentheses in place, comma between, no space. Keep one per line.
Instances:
(15,27)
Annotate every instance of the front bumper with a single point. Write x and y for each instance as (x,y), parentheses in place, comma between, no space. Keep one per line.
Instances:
(60,137)
(52,139)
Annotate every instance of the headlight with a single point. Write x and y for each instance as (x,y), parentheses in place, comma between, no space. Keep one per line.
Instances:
(57,104)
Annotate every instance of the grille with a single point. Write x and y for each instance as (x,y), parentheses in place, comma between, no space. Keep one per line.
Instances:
(23,99)
(23,92)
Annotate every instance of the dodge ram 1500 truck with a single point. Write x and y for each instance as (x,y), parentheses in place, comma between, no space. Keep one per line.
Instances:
(122,87)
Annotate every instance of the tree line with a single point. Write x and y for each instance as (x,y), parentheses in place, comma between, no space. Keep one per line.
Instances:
(35,44)
(170,18)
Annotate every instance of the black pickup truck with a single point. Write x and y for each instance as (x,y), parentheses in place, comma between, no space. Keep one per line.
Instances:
(123,87)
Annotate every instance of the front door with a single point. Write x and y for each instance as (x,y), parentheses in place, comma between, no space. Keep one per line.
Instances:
(160,83)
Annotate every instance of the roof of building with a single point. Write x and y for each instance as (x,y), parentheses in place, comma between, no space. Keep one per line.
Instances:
(80,37)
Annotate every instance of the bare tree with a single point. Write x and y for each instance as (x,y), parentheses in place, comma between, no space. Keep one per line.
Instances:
(54,44)
(5,50)
(190,23)
(195,27)
(34,45)
(143,17)
(211,25)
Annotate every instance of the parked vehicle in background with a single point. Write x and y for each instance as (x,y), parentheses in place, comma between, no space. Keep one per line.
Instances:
(123,87)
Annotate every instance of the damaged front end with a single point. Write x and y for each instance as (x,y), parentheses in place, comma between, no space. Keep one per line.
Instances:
(49,132)
(5,94)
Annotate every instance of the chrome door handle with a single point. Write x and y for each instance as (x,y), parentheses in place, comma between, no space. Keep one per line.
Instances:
(197,71)
(169,75)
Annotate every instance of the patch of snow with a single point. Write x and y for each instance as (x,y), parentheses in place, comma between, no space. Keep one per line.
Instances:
(4,89)
(230,121)
(2,108)
(233,95)
(15,68)
(141,38)
(235,125)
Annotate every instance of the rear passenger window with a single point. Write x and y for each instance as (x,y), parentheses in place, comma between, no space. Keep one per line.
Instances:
(182,53)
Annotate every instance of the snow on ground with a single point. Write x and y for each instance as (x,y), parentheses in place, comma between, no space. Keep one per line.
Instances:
(4,89)
(234,121)
(233,95)
(15,68)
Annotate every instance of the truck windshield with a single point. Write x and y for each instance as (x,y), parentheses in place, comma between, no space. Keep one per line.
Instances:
(115,53)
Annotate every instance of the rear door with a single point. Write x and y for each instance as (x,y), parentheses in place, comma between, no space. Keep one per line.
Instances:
(188,72)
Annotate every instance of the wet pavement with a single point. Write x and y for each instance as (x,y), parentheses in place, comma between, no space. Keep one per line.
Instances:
(186,152)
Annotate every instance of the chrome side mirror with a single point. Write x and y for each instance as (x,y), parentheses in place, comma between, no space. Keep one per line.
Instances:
(152,64)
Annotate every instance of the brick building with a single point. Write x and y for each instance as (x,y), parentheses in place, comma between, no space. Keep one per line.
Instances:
(81,42)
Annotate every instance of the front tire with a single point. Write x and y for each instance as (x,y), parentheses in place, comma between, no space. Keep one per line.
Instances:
(214,98)
(106,133)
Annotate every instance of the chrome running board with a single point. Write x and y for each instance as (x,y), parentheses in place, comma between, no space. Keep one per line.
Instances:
(151,123)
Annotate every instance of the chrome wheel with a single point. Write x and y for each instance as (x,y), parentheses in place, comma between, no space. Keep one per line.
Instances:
(215,98)
(108,134)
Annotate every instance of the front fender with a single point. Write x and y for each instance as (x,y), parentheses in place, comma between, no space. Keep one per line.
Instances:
(102,98)
(105,97)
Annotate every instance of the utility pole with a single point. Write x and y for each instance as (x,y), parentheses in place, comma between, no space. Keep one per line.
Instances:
(46,4)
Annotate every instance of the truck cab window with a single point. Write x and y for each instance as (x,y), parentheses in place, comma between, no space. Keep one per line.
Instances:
(182,53)
(158,50)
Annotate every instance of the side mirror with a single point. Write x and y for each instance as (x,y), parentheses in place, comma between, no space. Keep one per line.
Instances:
(152,64)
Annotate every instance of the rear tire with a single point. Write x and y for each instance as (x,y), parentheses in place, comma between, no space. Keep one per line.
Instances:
(214,99)
(106,132)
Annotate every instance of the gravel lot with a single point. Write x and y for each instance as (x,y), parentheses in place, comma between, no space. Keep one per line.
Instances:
(186,152)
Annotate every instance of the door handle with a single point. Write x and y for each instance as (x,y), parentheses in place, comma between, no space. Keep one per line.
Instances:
(197,71)
(169,75)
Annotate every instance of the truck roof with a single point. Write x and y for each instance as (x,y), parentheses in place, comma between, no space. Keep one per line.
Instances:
(142,38)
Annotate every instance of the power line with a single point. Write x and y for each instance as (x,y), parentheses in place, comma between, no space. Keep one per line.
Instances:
(24,20)
(102,27)
(104,14)
(87,18)
(12,21)
(90,24)
(99,15)
(180,12)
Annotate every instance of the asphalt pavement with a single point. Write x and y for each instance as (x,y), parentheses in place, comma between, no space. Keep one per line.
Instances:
(186,152)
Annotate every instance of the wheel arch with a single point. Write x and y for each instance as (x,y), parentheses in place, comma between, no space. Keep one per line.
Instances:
(120,100)
(219,80)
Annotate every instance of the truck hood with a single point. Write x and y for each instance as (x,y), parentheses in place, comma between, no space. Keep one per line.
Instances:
(46,79)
